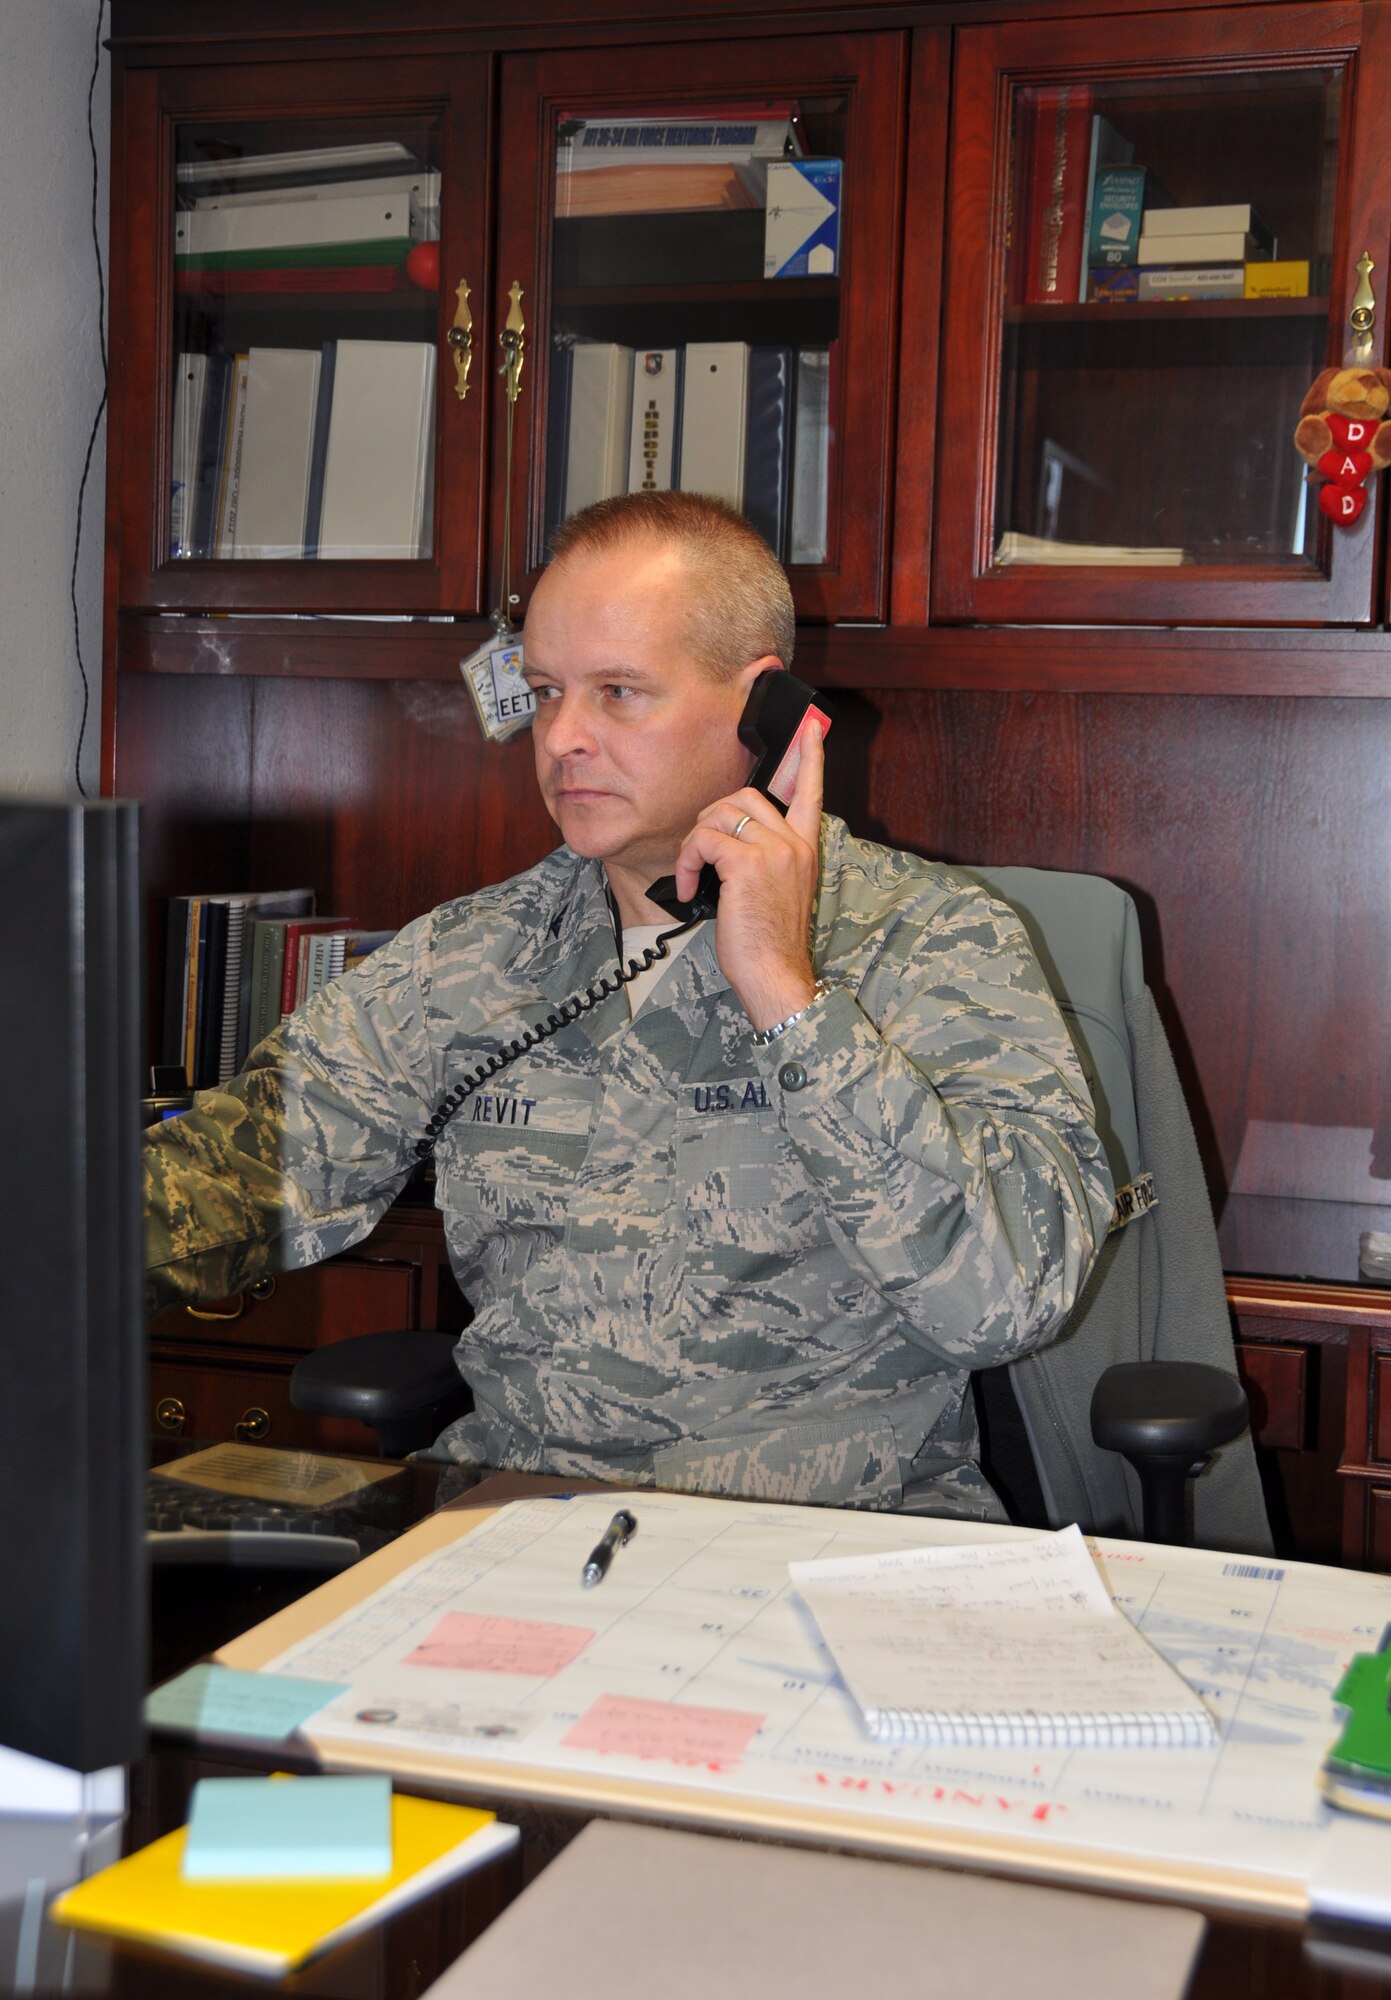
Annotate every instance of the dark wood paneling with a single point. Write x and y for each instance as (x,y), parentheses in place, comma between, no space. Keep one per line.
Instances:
(1378,1528)
(1255,837)
(264,27)
(1381,1407)
(381,794)
(1275,1380)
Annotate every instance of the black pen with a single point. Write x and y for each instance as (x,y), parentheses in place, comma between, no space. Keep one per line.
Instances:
(620,1529)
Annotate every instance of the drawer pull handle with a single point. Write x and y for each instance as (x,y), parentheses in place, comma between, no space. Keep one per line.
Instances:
(201,1312)
(253,1423)
(170,1414)
(264,1288)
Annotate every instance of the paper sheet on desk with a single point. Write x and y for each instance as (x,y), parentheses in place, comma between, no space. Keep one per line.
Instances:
(698,1613)
(1012,1643)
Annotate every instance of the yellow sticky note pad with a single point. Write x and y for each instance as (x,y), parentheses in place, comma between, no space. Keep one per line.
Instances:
(270,1926)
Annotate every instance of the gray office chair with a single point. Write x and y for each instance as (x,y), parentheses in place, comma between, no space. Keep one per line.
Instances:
(1152,1362)
(1144,1372)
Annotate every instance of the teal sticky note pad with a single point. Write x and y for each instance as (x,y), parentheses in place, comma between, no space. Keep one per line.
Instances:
(288,1829)
(225,1701)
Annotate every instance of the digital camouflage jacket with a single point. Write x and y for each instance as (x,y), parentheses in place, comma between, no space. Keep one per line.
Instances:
(759,1271)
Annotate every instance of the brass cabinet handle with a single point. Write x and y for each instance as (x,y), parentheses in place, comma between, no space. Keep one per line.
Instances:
(1362,318)
(264,1288)
(252,1423)
(460,340)
(512,341)
(200,1312)
(170,1414)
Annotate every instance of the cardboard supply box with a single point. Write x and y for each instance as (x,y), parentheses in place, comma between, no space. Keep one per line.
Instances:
(1118,203)
(1284,278)
(802,230)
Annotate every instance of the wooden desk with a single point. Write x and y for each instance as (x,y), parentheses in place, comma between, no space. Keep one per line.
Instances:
(1244,1954)
(1243,1958)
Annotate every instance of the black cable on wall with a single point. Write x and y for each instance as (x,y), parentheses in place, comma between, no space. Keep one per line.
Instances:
(100,410)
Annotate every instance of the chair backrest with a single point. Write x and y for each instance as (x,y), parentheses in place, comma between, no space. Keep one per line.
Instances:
(1087,937)
(1157,1290)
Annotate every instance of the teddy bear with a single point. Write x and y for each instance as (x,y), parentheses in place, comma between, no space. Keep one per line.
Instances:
(1343,432)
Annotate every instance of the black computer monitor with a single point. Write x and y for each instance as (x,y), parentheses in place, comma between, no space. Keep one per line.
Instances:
(72,1450)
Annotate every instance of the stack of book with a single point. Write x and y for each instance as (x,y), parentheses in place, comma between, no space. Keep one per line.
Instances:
(235,964)
(1200,253)
(702,158)
(1157,251)
(318,451)
(750,425)
(1088,222)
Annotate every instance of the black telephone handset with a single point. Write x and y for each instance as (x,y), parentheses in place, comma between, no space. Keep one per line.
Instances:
(770,726)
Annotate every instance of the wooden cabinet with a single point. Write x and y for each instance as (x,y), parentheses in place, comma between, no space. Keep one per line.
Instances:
(1316,1363)
(187,135)
(655,282)
(252,152)
(1214,734)
(223,1370)
(1157,426)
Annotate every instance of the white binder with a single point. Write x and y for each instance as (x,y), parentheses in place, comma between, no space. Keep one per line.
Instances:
(379,471)
(272,225)
(714,409)
(282,389)
(601,397)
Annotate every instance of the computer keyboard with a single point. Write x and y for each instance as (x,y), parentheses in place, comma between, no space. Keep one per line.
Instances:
(188,1523)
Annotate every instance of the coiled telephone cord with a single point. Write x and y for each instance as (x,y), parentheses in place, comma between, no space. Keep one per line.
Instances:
(569,1011)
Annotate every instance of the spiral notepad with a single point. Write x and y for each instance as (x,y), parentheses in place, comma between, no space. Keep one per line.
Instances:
(1003,1643)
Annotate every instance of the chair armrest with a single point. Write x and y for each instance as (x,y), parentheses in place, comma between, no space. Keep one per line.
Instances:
(1165,1417)
(403,1383)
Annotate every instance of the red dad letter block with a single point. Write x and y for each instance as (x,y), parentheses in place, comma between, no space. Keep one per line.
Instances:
(1346,468)
(1342,504)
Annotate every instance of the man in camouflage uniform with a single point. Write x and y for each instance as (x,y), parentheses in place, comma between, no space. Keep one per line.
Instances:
(749,1233)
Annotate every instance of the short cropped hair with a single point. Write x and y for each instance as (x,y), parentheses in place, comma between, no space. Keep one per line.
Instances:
(740,599)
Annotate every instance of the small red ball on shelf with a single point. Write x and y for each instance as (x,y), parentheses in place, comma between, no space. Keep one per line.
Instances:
(423,266)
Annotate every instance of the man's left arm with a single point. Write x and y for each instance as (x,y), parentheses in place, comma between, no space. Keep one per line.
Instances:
(939,1109)
(942,1116)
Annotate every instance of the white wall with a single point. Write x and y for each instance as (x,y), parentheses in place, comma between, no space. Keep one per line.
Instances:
(50,387)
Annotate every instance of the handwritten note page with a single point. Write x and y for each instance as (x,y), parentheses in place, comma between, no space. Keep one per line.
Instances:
(1006,1642)
(698,1612)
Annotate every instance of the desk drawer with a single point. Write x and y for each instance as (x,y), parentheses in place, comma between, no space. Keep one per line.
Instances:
(211,1397)
(297,1311)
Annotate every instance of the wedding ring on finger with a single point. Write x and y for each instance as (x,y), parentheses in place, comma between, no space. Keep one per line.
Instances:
(740,825)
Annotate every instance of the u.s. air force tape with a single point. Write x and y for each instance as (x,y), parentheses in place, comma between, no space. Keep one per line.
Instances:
(1136,1198)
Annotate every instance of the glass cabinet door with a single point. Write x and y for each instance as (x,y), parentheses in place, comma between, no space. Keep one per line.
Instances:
(711,294)
(314,433)
(1173,234)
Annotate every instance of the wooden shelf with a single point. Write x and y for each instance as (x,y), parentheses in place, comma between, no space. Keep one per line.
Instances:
(755,291)
(1115,312)
(1001,659)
